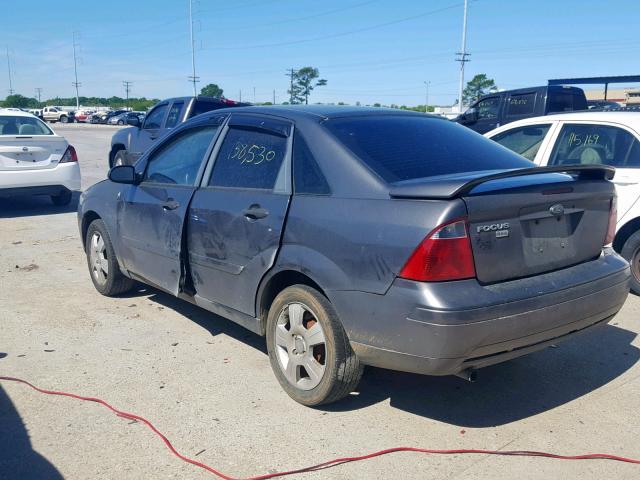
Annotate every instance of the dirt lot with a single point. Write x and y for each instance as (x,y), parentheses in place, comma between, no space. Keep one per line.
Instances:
(207,385)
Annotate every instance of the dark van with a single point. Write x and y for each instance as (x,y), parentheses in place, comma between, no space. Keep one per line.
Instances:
(499,108)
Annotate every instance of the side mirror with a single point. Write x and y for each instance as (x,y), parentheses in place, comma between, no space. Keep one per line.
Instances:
(133,121)
(470,116)
(123,174)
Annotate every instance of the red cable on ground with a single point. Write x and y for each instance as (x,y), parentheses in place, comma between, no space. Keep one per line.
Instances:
(330,463)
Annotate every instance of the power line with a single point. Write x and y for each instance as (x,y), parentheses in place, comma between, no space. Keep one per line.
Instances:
(75,70)
(9,68)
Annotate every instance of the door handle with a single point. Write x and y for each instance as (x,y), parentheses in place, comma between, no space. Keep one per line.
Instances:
(255,212)
(153,138)
(170,204)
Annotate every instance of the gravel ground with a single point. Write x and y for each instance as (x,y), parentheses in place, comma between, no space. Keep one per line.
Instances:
(206,383)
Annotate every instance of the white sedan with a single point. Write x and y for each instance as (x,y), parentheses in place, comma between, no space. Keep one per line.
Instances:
(34,160)
(588,138)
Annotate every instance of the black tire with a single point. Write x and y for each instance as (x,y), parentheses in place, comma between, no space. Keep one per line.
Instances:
(119,158)
(631,252)
(64,119)
(342,369)
(62,199)
(120,122)
(116,283)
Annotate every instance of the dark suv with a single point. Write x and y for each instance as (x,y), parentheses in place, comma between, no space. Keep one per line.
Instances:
(127,145)
(354,236)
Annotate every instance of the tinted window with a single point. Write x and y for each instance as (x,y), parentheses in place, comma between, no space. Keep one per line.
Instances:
(248,159)
(596,145)
(561,102)
(407,147)
(177,162)
(523,140)
(307,176)
(18,125)
(174,114)
(202,107)
(488,108)
(521,104)
(154,119)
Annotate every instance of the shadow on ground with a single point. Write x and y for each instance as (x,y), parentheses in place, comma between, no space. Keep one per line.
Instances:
(18,459)
(35,205)
(502,394)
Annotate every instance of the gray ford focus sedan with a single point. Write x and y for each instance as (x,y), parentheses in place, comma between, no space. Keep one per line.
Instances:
(355,236)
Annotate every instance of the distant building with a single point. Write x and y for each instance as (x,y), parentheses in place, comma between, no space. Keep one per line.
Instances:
(625,96)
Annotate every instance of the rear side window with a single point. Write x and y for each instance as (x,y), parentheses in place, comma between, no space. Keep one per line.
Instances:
(564,102)
(154,119)
(596,145)
(19,125)
(525,141)
(307,175)
(174,114)
(177,162)
(203,107)
(522,104)
(248,159)
(403,147)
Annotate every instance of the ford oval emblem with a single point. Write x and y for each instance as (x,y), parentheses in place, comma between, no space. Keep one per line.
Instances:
(25,149)
(557,210)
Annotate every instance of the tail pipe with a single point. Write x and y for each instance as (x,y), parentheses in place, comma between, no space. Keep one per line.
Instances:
(469,374)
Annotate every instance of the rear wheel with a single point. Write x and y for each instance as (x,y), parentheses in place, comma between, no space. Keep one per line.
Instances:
(103,265)
(308,348)
(64,119)
(120,122)
(63,198)
(631,252)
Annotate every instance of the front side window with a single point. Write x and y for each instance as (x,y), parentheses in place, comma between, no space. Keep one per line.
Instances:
(19,125)
(174,114)
(488,108)
(249,159)
(406,147)
(585,144)
(522,104)
(177,162)
(525,141)
(154,119)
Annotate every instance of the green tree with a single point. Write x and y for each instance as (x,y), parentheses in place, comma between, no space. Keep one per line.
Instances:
(211,90)
(478,86)
(304,81)
(19,101)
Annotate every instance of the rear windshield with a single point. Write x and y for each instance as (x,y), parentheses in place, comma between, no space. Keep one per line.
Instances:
(401,148)
(19,125)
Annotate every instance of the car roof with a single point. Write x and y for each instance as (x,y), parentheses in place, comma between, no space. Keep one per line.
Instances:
(621,117)
(294,112)
(14,113)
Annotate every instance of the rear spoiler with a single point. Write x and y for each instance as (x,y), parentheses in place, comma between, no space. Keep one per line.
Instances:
(452,187)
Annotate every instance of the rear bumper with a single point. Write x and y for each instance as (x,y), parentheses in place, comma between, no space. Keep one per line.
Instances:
(444,328)
(65,175)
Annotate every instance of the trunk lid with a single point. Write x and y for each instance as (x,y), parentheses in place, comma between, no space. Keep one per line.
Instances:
(530,221)
(21,152)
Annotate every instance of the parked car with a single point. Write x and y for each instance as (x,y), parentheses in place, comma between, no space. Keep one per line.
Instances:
(590,138)
(58,114)
(83,116)
(103,117)
(123,118)
(34,160)
(360,236)
(128,144)
(500,108)
(37,112)
(602,105)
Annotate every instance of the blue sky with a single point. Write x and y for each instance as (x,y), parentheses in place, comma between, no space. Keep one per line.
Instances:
(369,51)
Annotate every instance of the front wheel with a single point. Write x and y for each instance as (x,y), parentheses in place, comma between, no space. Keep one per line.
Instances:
(631,252)
(120,122)
(103,264)
(64,119)
(308,348)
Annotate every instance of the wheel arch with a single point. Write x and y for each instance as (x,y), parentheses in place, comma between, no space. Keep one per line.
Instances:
(88,217)
(115,148)
(625,232)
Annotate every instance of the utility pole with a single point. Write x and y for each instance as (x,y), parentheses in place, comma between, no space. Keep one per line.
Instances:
(240,95)
(426,103)
(127,89)
(462,55)
(193,78)
(75,69)
(254,94)
(291,75)
(39,93)
(9,67)
(274,96)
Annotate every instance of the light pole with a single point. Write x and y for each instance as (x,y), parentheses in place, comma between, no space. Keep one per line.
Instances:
(426,103)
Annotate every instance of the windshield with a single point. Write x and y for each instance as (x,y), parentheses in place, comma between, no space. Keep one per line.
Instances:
(405,147)
(19,125)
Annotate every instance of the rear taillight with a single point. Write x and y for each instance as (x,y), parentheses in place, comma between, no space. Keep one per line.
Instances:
(613,219)
(444,255)
(70,155)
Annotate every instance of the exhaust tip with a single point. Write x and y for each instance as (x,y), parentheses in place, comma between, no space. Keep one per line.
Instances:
(470,374)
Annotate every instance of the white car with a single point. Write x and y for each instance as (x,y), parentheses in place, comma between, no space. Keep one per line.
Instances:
(588,138)
(34,160)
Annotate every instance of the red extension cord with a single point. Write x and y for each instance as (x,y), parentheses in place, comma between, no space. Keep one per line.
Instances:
(330,463)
